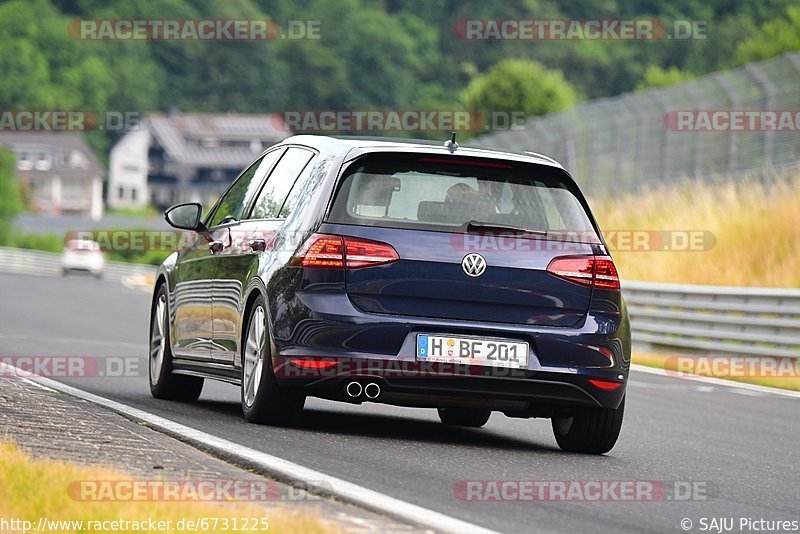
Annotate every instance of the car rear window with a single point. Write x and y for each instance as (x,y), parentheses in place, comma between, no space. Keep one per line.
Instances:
(82,245)
(443,193)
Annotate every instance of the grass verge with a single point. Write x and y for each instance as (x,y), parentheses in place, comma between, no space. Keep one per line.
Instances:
(31,489)
(754,229)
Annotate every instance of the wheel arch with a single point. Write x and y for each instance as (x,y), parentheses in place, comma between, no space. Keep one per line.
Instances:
(254,290)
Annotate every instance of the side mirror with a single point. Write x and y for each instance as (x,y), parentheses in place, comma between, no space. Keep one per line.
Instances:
(185,216)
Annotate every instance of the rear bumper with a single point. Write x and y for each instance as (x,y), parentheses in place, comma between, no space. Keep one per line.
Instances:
(376,348)
(83,263)
(522,394)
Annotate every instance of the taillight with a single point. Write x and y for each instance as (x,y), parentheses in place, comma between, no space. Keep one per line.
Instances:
(363,253)
(605,274)
(334,252)
(323,251)
(598,271)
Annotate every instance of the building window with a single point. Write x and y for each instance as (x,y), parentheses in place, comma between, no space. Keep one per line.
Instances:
(121,193)
(24,163)
(133,194)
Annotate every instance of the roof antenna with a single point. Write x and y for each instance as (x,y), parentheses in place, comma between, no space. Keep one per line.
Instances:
(451,144)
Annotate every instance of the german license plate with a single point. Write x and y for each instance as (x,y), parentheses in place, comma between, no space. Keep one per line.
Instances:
(472,351)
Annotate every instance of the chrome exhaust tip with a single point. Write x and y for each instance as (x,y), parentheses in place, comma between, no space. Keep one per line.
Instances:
(372,390)
(354,389)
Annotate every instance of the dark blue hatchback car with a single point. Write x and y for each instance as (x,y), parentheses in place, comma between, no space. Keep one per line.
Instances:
(420,275)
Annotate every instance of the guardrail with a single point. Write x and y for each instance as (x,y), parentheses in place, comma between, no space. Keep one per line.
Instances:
(715,319)
(708,319)
(24,261)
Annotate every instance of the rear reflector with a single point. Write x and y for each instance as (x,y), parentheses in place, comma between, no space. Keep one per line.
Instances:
(312,364)
(605,385)
(598,271)
(335,252)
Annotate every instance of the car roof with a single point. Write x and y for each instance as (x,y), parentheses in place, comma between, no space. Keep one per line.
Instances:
(427,146)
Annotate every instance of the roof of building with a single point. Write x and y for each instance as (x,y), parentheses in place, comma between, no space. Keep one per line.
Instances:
(69,151)
(215,140)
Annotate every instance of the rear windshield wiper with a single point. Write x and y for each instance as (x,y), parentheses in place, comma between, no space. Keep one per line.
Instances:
(480,225)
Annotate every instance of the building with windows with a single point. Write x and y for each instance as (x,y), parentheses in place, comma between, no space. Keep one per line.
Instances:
(58,171)
(186,157)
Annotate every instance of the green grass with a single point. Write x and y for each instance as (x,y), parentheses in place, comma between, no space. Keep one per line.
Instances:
(145,212)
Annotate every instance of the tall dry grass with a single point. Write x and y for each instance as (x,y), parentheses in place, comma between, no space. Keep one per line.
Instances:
(756,230)
(32,488)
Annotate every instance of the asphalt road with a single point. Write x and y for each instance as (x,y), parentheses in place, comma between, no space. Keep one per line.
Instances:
(738,447)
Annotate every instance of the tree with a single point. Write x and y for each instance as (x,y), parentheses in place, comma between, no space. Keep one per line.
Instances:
(655,76)
(10,198)
(773,38)
(521,87)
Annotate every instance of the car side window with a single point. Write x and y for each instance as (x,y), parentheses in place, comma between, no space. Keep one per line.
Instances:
(301,189)
(233,203)
(280,182)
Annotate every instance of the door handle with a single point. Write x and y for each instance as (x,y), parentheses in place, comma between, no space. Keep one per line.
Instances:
(258,245)
(215,247)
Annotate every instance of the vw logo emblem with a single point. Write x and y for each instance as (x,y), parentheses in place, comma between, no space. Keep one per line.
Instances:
(473,264)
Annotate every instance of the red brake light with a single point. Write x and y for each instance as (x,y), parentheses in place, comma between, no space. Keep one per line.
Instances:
(605,274)
(578,269)
(323,251)
(363,253)
(487,164)
(335,252)
(586,270)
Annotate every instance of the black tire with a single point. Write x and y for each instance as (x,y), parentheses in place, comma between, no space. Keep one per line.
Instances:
(270,404)
(473,417)
(589,431)
(165,385)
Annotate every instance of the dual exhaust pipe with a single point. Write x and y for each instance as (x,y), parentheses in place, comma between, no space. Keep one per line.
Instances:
(371,391)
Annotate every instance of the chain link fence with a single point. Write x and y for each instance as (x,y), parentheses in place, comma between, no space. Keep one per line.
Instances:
(630,141)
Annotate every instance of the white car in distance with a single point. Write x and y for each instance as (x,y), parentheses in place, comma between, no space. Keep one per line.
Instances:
(83,255)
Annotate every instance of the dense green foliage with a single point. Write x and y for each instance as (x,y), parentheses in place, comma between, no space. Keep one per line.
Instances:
(773,38)
(655,76)
(517,85)
(372,54)
(10,198)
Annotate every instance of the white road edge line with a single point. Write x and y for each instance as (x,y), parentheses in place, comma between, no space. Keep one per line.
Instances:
(282,470)
(716,381)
